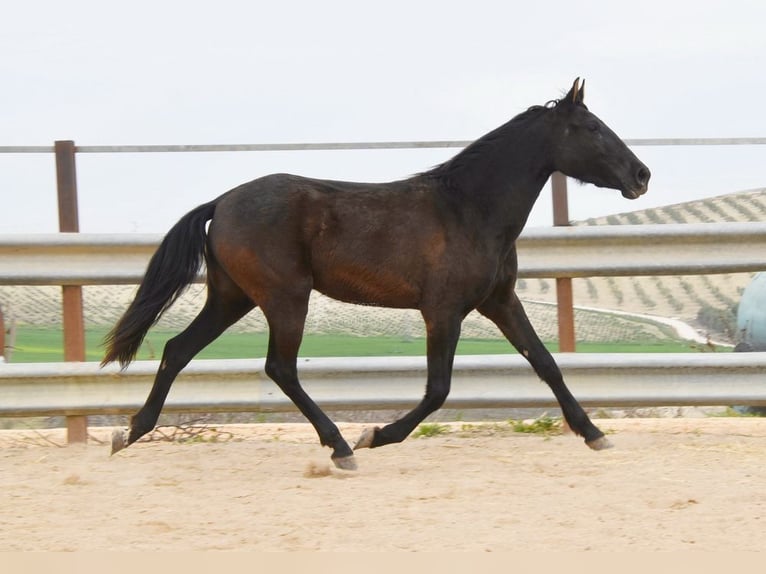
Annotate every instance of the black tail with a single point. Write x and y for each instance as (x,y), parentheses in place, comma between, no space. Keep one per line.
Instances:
(172,268)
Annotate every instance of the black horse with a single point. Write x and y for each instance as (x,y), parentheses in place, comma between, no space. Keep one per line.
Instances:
(442,241)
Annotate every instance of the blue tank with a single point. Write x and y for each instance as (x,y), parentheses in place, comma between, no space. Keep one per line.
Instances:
(751,313)
(751,324)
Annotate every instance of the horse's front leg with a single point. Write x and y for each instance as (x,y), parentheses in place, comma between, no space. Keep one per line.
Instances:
(506,311)
(442,340)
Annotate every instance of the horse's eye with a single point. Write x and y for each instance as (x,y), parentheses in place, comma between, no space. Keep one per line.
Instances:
(593,127)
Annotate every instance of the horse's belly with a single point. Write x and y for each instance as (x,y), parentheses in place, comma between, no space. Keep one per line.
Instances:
(368,287)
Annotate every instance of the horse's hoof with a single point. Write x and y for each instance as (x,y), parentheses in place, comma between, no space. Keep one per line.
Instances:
(365,440)
(601,443)
(345,462)
(119,440)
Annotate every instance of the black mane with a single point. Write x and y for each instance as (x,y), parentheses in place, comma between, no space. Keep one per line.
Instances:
(447,171)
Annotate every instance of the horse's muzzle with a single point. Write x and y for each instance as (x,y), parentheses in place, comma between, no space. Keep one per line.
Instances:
(641,185)
(634,193)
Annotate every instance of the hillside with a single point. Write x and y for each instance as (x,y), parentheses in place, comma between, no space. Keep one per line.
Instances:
(682,297)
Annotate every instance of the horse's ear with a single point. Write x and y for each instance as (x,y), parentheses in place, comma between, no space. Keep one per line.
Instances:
(576,95)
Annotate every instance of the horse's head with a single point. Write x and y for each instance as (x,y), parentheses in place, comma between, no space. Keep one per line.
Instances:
(586,149)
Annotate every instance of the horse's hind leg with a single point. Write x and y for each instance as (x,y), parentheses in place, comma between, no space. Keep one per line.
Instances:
(507,313)
(286,320)
(217,314)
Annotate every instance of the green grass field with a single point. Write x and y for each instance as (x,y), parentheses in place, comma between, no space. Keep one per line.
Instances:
(37,345)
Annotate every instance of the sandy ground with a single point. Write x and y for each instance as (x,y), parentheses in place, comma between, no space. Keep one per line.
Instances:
(669,484)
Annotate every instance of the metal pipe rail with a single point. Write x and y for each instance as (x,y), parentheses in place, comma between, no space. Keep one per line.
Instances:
(331,146)
(366,383)
(652,249)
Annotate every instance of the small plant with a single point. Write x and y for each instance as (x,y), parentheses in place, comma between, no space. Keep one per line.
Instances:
(642,294)
(720,213)
(616,291)
(543,425)
(653,216)
(603,414)
(668,294)
(673,212)
(719,320)
(736,412)
(697,213)
(430,429)
(592,289)
(688,287)
(716,291)
(738,204)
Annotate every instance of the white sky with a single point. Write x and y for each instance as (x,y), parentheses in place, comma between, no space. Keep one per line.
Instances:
(186,72)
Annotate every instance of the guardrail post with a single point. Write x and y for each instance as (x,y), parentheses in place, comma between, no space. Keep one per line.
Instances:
(74,328)
(564,297)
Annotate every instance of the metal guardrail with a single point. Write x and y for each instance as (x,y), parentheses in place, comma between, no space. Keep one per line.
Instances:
(329,146)
(75,258)
(486,381)
(580,251)
(652,249)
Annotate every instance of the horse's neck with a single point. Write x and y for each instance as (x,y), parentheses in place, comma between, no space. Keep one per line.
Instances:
(507,181)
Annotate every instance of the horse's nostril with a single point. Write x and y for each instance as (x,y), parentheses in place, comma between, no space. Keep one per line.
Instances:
(642,175)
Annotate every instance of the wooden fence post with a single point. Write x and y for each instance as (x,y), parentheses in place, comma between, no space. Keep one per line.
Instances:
(74,328)
(564,297)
